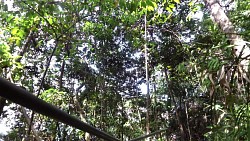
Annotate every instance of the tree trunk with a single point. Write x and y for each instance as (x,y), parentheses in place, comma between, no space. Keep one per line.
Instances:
(220,18)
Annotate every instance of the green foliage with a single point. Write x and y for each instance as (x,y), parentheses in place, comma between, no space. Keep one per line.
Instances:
(5,56)
(55,97)
(97,67)
(7,60)
(225,129)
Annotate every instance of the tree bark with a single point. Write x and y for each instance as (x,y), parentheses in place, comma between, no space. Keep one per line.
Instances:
(219,17)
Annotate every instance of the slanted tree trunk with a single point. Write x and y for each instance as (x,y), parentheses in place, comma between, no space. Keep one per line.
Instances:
(240,50)
(220,18)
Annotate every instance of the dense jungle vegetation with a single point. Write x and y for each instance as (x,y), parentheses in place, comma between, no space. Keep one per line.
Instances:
(128,68)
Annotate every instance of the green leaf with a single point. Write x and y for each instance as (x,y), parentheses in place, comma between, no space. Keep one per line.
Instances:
(21,33)
(50,20)
(213,64)
(143,4)
(9,18)
(169,9)
(122,3)
(177,1)
(150,8)
(191,3)
(14,31)
(18,42)
(171,6)
(155,5)
(150,3)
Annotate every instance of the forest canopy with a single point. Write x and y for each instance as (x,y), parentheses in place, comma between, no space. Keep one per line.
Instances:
(175,68)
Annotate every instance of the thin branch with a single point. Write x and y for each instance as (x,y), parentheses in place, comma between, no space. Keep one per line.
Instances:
(147,77)
(41,84)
